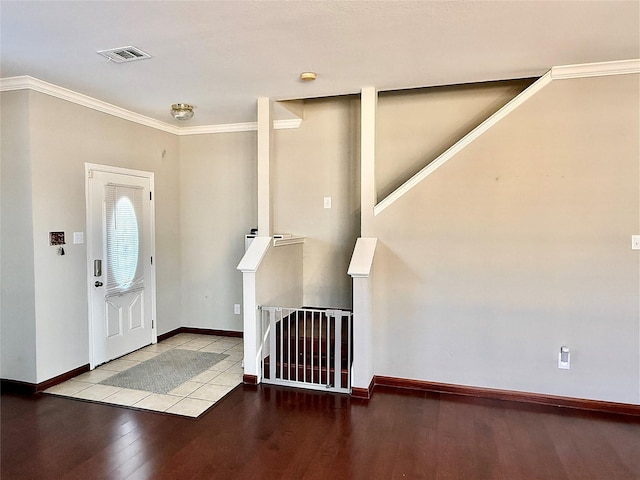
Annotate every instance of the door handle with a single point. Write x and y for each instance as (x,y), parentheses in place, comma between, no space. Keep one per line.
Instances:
(98,283)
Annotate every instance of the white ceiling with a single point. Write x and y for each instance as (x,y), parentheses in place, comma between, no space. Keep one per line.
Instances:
(221,55)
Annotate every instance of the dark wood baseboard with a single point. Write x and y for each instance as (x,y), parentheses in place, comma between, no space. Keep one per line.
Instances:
(201,331)
(62,378)
(509,395)
(17,386)
(211,331)
(364,393)
(250,379)
(169,334)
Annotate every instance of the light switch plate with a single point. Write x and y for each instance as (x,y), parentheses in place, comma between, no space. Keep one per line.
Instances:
(236,308)
(635,242)
(327,202)
(78,237)
(564,365)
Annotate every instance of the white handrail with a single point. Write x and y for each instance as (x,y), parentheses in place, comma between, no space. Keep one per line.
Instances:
(255,253)
(362,257)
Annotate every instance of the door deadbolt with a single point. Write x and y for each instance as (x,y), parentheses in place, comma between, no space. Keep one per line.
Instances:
(97,268)
(98,283)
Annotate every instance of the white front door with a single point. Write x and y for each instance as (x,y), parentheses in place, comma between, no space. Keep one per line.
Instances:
(120,269)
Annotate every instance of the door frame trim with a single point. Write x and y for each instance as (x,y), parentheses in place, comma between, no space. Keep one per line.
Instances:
(89,167)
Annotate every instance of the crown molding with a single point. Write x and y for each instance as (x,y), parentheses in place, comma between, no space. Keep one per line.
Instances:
(238,127)
(223,128)
(622,67)
(26,82)
(30,83)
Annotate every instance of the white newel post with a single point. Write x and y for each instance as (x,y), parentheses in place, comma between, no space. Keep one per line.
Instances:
(250,327)
(251,316)
(361,272)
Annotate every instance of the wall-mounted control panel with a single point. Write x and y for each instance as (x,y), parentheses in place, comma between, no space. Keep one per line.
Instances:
(56,238)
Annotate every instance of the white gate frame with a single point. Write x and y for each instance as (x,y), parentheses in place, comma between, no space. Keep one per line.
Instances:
(271,316)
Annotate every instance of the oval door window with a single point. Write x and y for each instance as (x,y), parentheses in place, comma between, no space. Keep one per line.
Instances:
(125,243)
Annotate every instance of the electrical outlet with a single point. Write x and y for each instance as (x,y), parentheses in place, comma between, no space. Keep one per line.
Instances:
(236,308)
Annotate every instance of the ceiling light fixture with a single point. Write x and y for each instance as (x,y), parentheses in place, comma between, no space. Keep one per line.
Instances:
(308,76)
(181,111)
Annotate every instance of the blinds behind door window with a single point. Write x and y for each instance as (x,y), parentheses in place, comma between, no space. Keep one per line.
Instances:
(124,246)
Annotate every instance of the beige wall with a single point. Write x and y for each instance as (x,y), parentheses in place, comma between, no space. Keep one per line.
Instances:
(415,126)
(218,206)
(17,310)
(518,245)
(279,277)
(63,137)
(320,159)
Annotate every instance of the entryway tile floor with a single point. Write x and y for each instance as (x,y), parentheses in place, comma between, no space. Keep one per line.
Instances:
(190,399)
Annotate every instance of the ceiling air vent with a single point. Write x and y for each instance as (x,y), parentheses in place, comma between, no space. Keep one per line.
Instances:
(124,54)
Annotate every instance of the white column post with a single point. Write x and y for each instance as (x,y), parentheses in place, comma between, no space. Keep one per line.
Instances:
(265,153)
(368,196)
(361,265)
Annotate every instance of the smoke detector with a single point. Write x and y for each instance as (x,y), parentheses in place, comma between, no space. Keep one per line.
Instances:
(124,54)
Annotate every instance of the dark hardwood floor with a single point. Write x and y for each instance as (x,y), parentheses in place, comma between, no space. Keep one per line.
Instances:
(275,433)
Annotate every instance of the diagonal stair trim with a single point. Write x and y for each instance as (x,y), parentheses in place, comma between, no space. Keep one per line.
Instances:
(556,73)
(463,142)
